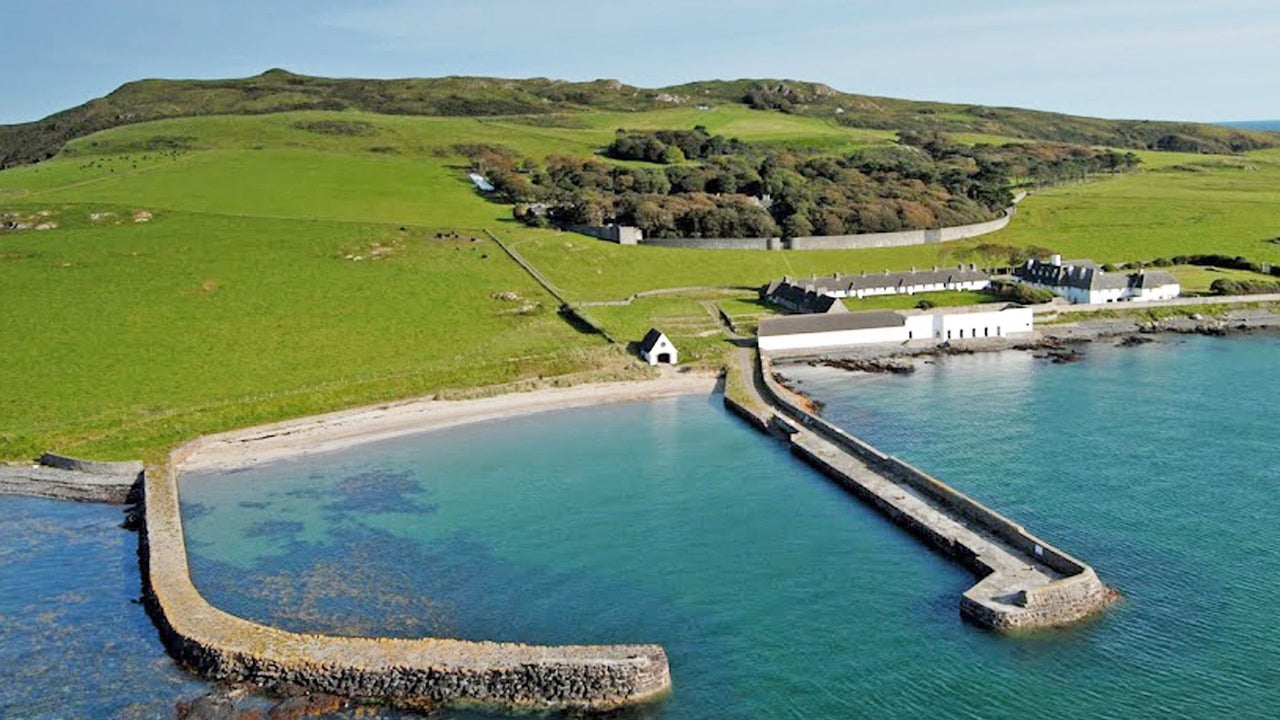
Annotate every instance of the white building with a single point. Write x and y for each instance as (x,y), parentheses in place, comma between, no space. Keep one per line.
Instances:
(809,332)
(657,348)
(481,182)
(799,295)
(1083,282)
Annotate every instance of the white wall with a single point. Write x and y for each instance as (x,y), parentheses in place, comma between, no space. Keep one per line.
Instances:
(1160,292)
(923,326)
(1099,297)
(911,289)
(966,326)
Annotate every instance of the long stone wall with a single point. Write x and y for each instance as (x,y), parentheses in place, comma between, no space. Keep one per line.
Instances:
(419,674)
(1025,582)
(821,242)
(903,238)
(717,243)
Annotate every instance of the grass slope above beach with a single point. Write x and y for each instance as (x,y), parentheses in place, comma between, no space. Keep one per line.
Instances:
(286,270)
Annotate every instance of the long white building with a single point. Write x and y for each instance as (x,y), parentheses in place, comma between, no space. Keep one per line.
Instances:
(835,330)
(801,295)
(1083,282)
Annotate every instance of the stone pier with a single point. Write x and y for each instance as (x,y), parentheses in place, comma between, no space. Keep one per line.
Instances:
(1025,582)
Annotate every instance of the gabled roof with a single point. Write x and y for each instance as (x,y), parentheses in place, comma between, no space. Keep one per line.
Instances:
(1086,275)
(830,322)
(828,304)
(651,339)
(1154,278)
(867,281)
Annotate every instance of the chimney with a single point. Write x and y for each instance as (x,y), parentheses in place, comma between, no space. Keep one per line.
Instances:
(913,269)
(935,268)
(1055,260)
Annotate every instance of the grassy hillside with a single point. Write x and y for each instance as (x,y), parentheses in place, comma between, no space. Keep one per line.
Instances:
(540,101)
(304,261)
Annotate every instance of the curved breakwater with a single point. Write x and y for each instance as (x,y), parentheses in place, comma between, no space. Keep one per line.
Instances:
(414,673)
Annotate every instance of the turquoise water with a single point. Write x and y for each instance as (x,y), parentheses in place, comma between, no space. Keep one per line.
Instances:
(777,595)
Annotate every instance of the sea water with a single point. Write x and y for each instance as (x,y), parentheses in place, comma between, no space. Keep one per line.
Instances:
(775,594)
(74,643)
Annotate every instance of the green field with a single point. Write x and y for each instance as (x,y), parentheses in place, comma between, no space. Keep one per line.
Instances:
(288,272)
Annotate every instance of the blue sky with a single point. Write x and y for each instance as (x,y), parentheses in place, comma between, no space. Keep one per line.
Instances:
(1160,59)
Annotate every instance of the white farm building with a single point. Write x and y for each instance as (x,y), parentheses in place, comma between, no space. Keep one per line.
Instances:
(1083,282)
(834,330)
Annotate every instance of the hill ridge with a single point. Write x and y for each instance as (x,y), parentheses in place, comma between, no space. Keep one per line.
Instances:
(280,90)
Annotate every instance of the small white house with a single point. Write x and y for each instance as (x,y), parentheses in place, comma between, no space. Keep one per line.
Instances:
(657,348)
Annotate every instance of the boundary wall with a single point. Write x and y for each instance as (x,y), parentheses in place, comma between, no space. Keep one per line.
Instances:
(631,236)
(900,239)
(420,674)
(1072,591)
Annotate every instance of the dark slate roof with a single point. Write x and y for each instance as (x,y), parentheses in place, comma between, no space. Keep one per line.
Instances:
(1086,275)
(868,281)
(830,322)
(651,339)
(828,304)
(805,295)
(1154,278)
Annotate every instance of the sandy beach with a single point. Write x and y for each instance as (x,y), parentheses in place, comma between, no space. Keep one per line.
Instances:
(339,430)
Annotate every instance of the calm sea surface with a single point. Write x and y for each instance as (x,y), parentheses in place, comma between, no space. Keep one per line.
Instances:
(775,594)
(72,642)
(1272,125)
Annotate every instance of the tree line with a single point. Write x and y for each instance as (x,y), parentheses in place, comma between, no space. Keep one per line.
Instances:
(703,185)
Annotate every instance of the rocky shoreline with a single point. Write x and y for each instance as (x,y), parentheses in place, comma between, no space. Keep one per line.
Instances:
(63,478)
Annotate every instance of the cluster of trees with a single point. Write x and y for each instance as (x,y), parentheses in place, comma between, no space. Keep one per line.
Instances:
(1020,292)
(1227,286)
(741,190)
(672,146)
(994,255)
(1036,164)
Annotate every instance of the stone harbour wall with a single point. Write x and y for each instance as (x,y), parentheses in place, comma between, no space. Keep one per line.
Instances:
(900,238)
(1075,594)
(419,674)
(93,467)
(66,478)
